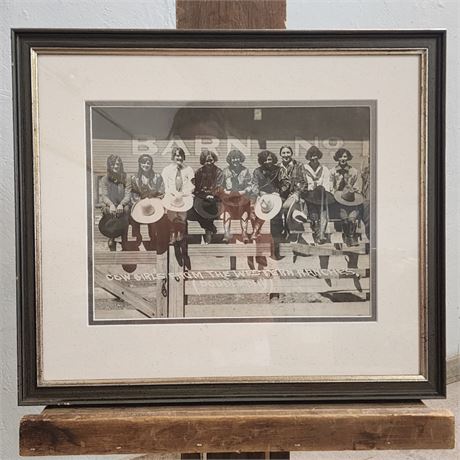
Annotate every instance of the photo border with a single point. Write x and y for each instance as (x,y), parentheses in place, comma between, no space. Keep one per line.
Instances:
(370,104)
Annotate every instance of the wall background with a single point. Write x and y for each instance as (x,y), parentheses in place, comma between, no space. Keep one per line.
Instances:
(160,14)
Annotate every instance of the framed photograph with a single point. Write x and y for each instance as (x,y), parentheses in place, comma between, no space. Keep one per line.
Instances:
(229,216)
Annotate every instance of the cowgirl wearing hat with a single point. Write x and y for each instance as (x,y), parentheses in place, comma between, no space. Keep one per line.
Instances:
(208,185)
(147,190)
(292,184)
(178,179)
(235,198)
(116,202)
(266,184)
(178,200)
(346,185)
(317,194)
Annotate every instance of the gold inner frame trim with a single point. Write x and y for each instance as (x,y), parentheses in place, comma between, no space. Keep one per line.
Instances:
(423,326)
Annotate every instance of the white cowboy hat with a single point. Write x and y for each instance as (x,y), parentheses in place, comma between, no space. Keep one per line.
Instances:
(147,211)
(268,206)
(296,214)
(179,203)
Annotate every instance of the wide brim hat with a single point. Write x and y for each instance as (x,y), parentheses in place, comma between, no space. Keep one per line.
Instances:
(113,226)
(179,203)
(147,211)
(296,214)
(235,200)
(319,195)
(209,209)
(273,207)
(348,198)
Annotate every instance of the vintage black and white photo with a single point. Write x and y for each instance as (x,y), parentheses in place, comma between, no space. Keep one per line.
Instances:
(229,216)
(235,211)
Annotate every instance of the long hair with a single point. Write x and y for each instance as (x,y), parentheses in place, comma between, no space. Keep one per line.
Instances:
(120,176)
(205,154)
(140,171)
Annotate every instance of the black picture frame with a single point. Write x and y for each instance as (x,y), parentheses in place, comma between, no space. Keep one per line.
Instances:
(432,386)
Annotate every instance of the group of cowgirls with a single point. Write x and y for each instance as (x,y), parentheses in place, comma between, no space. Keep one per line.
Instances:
(285,193)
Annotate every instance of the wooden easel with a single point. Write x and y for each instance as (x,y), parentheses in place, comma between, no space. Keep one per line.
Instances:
(235,429)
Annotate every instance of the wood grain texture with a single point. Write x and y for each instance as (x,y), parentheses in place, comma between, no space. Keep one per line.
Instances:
(231,14)
(253,428)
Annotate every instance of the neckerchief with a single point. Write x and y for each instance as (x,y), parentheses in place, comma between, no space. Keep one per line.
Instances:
(289,168)
(345,173)
(314,175)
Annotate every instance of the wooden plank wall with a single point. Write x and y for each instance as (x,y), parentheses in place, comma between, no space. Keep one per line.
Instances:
(102,148)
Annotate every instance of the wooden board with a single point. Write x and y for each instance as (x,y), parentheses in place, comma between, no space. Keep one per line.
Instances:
(236,428)
(161,288)
(128,295)
(231,14)
(337,262)
(328,249)
(124,257)
(176,295)
(227,250)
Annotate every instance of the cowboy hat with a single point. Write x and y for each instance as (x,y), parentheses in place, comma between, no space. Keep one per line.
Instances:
(319,195)
(178,203)
(268,206)
(147,211)
(235,200)
(209,209)
(296,214)
(348,197)
(113,226)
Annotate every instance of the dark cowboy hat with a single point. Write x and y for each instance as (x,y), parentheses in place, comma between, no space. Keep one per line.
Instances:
(113,226)
(348,197)
(235,200)
(319,196)
(207,208)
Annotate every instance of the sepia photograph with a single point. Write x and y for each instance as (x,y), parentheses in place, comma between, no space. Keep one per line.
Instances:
(231,211)
(229,217)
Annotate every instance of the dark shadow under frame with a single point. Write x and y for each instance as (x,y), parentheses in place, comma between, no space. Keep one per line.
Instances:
(23,41)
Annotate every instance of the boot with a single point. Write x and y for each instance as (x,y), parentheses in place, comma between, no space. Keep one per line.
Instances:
(227,237)
(178,254)
(207,236)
